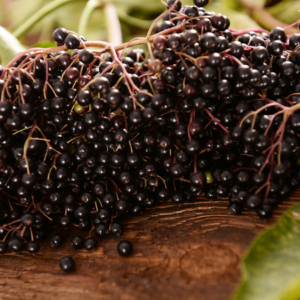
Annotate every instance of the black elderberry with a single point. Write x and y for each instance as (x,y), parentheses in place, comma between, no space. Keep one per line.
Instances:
(178,198)
(33,247)
(104,214)
(226,177)
(86,56)
(84,98)
(77,242)
(177,170)
(201,3)
(56,240)
(90,244)
(294,40)
(218,21)
(60,35)
(203,25)
(3,247)
(190,37)
(221,191)
(122,206)
(192,147)
(28,219)
(163,194)
(208,41)
(125,248)
(278,33)
(16,246)
(253,201)
(67,264)
(210,194)
(101,229)
(81,212)
(72,41)
(251,136)
(116,229)
(265,211)
(235,208)
(287,68)
(275,48)
(260,54)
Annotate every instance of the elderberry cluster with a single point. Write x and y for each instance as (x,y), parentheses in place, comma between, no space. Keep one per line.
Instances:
(87,136)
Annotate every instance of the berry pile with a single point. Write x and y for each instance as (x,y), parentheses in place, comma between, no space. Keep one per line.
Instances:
(87,136)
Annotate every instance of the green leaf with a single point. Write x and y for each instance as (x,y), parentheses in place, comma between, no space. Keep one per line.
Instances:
(232,4)
(86,14)
(136,22)
(271,268)
(45,44)
(45,10)
(9,46)
(286,11)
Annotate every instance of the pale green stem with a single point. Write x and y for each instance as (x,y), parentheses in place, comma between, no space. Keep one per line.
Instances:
(44,11)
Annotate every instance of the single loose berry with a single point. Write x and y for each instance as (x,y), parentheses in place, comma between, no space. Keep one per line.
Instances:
(125,248)
(67,264)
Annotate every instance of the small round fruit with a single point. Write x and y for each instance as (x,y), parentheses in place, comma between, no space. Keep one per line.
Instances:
(125,248)
(67,264)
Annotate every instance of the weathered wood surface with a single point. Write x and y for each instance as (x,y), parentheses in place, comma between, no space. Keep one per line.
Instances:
(189,252)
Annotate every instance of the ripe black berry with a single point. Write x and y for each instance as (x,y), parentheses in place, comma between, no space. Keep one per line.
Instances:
(72,41)
(67,264)
(60,35)
(125,248)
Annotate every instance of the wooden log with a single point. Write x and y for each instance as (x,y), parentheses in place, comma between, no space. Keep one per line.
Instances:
(189,252)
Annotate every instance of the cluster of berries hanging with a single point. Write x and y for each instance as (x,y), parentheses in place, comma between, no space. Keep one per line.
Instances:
(91,135)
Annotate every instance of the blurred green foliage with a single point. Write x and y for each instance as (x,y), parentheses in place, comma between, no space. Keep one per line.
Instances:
(33,22)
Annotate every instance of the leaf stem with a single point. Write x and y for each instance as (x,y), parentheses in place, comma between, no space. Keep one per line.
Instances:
(44,11)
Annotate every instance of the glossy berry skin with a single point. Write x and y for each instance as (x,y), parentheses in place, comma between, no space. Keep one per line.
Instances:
(235,208)
(278,33)
(208,41)
(86,56)
(67,264)
(218,21)
(251,136)
(116,229)
(203,25)
(16,246)
(198,179)
(125,248)
(294,40)
(101,230)
(260,54)
(201,3)
(56,240)
(84,98)
(33,247)
(90,244)
(190,37)
(253,201)
(275,48)
(3,247)
(192,147)
(60,35)
(65,221)
(177,170)
(160,43)
(265,211)
(178,198)
(72,41)
(28,219)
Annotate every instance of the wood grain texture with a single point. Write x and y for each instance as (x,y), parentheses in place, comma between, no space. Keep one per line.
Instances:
(189,252)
